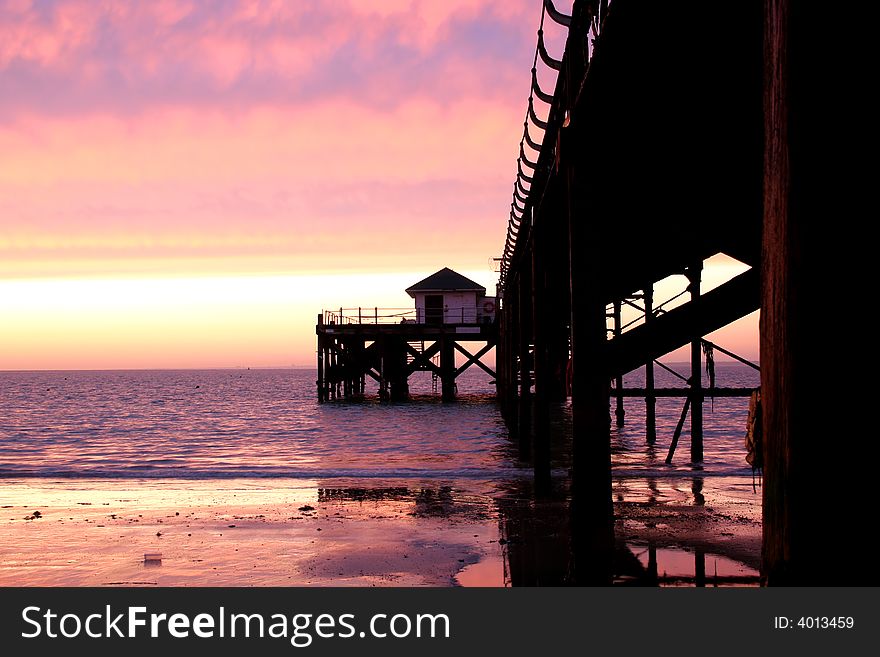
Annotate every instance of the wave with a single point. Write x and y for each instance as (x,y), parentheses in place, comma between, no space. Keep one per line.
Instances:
(140,472)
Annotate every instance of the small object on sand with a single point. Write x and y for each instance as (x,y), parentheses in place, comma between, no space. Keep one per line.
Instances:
(158,533)
(152,558)
(230,526)
(307,507)
(37,514)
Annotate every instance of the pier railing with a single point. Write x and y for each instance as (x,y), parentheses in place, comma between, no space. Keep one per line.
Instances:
(376,315)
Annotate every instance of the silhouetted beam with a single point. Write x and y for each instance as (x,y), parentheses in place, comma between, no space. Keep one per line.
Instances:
(474,359)
(423,358)
(684,392)
(676,328)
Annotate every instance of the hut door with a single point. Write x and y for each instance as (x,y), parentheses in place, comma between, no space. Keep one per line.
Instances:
(433,309)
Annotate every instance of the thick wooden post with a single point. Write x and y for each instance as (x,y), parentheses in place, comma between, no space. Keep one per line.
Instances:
(540,320)
(592,513)
(619,411)
(817,455)
(524,334)
(650,399)
(320,382)
(447,368)
(693,274)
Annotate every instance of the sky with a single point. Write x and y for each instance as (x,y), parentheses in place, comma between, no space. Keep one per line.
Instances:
(188,184)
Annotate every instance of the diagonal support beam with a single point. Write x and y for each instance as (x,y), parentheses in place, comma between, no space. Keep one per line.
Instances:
(679,326)
(423,358)
(474,359)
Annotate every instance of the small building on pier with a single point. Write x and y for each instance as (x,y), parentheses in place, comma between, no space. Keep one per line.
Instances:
(447,297)
(388,345)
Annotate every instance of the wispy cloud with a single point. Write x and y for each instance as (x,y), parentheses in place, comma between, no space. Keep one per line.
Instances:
(200,130)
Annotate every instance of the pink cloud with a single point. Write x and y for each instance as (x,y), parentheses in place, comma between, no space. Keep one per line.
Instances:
(223,133)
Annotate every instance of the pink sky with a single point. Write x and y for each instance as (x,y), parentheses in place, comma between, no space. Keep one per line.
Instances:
(222,142)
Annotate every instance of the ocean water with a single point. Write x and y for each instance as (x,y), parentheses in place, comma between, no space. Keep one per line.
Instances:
(237,424)
(203,424)
(417,474)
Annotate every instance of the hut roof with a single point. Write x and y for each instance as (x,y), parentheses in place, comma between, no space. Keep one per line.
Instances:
(446,280)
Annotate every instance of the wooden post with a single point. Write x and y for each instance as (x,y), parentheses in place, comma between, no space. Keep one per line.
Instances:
(592,512)
(447,368)
(619,411)
(678,427)
(346,365)
(818,455)
(650,399)
(320,381)
(540,322)
(693,274)
(326,369)
(524,332)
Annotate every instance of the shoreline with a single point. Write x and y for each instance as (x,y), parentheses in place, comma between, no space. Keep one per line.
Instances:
(350,532)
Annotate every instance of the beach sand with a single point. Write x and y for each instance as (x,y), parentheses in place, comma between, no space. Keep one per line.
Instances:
(395,533)
(236,533)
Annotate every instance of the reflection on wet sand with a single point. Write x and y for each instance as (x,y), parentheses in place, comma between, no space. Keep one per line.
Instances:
(674,526)
(683,550)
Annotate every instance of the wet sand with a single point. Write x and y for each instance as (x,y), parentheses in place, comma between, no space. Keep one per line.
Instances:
(682,517)
(237,533)
(394,533)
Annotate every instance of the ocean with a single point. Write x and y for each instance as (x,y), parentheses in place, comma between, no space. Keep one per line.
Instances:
(199,435)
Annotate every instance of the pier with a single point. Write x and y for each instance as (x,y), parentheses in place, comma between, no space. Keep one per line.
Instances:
(663,138)
(387,345)
(666,139)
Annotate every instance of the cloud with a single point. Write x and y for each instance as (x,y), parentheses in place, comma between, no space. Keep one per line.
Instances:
(237,136)
(72,57)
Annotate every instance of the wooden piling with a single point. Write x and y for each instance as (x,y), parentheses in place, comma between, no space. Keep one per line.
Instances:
(447,369)
(619,411)
(650,399)
(817,509)
(541,319)
(592,513)
(524,403)
(320,382)
(693,274)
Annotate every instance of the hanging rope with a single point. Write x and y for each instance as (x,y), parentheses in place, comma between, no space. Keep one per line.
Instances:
(528,138)
(536,88)
(709,353)
(555,64)
(557,15)
(524,159)
(534,117)
(520,202)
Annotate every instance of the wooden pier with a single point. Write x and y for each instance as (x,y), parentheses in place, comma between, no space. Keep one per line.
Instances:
(673,133)
(668,138)
(389,345)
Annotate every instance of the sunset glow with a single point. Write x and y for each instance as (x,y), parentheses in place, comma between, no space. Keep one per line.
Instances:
(188,184)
